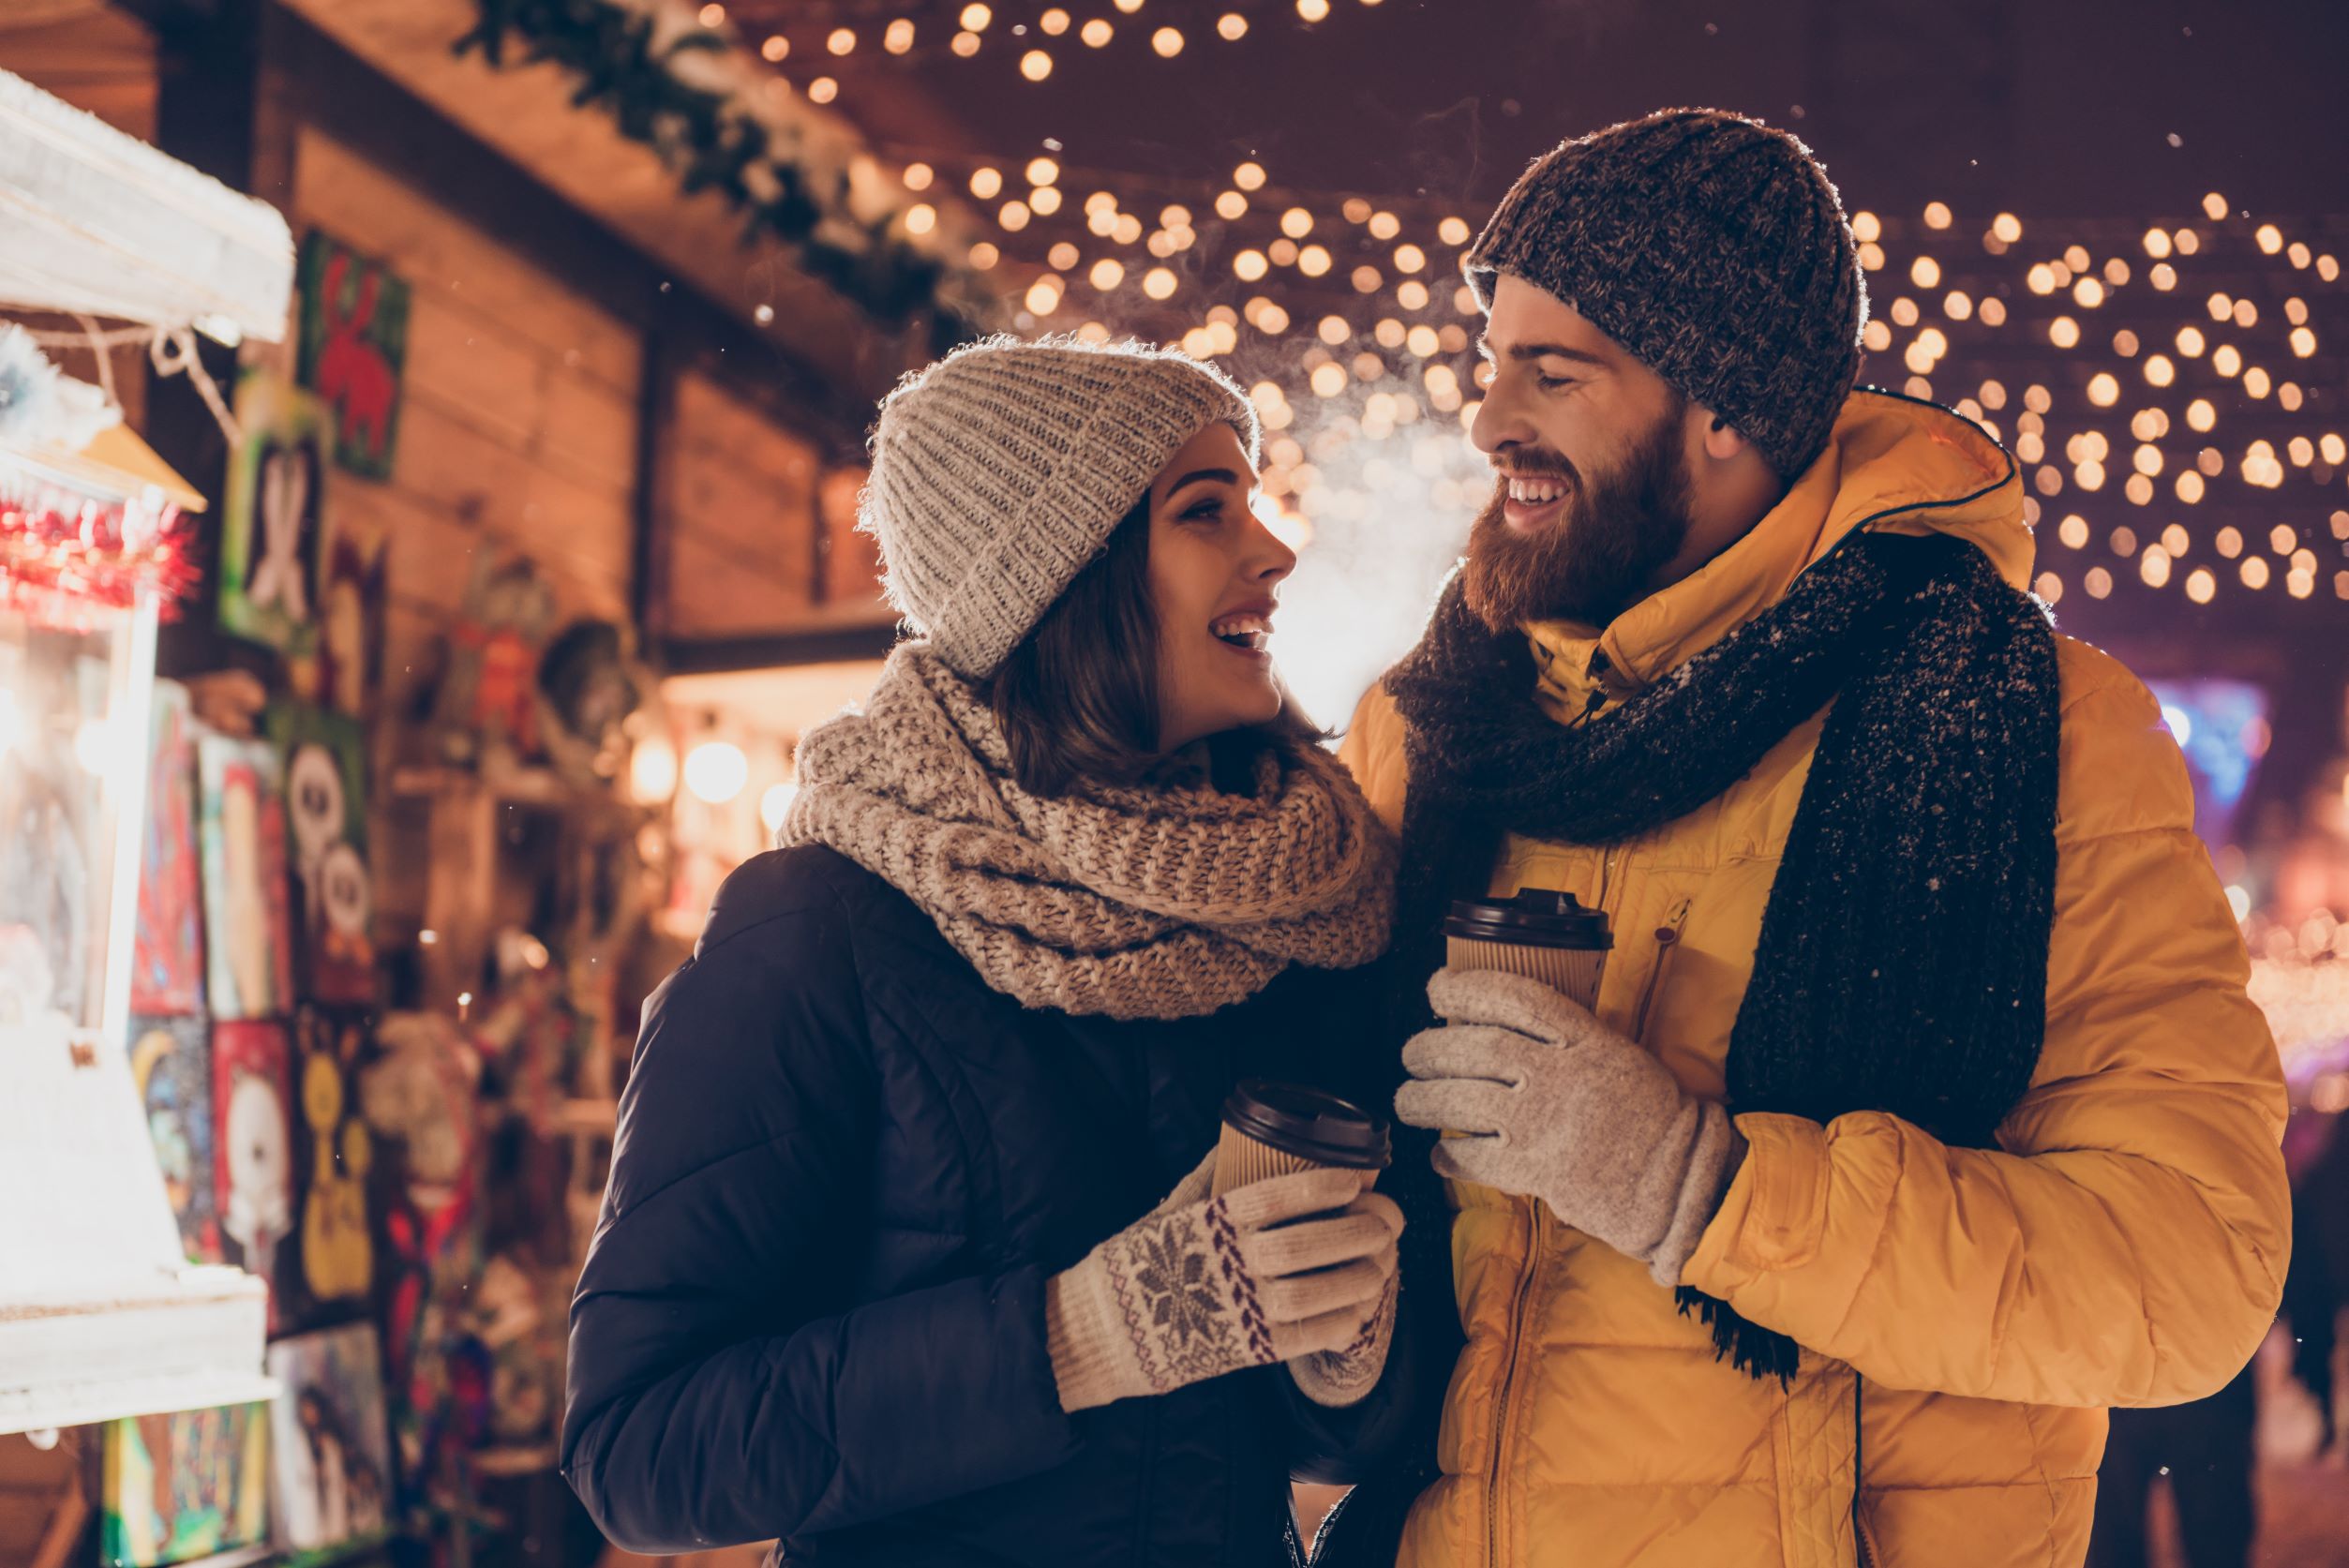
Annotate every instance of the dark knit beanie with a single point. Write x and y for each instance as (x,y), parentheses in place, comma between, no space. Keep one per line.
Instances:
(1715,250)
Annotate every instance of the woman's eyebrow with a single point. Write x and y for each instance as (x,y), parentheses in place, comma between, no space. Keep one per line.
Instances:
(1218,476)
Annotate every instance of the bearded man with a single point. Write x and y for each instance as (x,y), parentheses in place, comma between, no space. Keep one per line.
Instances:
(1921,1115)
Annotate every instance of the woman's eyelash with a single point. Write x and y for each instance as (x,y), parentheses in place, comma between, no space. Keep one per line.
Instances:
(1205,509)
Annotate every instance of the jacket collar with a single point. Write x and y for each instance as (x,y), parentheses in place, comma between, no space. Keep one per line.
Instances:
(1891,463)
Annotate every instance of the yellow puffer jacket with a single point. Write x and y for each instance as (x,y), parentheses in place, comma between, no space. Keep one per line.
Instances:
(1967,1314)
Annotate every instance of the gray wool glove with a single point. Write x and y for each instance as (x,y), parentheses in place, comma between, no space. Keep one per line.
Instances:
(1557,1106)
(1278,1270)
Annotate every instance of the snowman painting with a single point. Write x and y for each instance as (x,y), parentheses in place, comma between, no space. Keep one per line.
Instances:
(254,1144)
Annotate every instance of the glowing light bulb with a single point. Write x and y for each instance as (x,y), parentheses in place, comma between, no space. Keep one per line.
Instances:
(716,770)
(653,770)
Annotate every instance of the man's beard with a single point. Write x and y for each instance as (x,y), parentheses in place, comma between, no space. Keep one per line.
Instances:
(1600,557)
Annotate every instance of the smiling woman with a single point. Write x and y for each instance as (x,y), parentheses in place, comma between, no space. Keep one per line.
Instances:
(891,1267)
(1160,641)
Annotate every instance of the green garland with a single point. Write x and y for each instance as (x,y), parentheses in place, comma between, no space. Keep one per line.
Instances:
(712,143)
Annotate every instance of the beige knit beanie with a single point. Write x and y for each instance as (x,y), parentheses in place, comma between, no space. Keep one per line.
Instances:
(1000,471)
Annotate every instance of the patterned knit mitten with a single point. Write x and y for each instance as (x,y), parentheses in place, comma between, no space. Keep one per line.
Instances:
(1245,1279)
(1343,1377)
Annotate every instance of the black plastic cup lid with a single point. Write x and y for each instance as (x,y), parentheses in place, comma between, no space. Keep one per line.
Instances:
(1535,918)
(1307,1123)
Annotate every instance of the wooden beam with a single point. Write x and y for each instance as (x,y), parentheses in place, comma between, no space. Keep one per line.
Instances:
(822,645)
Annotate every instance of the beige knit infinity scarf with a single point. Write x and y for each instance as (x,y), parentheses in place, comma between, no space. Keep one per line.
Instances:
(1149,900)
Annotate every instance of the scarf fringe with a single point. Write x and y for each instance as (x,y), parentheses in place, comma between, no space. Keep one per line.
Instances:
(1753,1350)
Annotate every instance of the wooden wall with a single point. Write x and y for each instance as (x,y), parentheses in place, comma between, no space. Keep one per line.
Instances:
(517,426)
(740,518)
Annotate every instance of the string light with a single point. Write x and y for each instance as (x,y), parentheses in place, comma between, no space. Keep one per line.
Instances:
(1348,246)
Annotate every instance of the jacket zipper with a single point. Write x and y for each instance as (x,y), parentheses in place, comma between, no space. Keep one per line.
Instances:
(1508,1381)
(1666,938)
(1321,1534)
(1859,1468)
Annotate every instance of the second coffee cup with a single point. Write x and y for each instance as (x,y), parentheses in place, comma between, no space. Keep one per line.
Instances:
(1273,1130)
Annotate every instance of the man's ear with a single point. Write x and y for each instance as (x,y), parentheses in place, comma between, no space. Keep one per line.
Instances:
(1721,441)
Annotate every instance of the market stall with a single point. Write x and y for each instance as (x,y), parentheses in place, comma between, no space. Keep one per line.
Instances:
(106,1314)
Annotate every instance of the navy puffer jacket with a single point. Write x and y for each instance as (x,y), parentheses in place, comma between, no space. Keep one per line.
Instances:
(815,1306)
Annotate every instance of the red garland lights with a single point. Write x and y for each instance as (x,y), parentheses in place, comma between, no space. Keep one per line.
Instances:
(68,560)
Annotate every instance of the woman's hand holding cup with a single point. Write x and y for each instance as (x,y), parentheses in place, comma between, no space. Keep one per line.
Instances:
(1297,1267)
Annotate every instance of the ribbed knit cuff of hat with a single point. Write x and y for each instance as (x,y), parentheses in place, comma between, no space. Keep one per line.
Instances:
(1335,1379)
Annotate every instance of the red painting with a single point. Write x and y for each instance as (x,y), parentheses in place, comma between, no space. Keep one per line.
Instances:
(354,341)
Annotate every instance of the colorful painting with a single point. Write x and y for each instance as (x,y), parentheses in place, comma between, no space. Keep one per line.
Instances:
(189,1484)
(354,342)
(487,704)
(326,828)
(421,1096)
(168,950)
(347,671)
(331,1457)
(333,1152)
(273,532)
(253,1143)
(171,1061)
(241,829)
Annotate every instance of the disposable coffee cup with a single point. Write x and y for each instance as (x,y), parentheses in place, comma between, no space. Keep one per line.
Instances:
(1539,933)
(1275,1130)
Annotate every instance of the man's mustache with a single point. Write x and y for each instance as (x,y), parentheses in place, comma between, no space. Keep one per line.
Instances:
(1534,463)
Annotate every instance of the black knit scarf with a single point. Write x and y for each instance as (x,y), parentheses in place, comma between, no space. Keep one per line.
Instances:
(1902,960)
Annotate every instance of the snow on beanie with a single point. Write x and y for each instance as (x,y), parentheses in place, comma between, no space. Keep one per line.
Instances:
(1000,471)
(1713,250)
